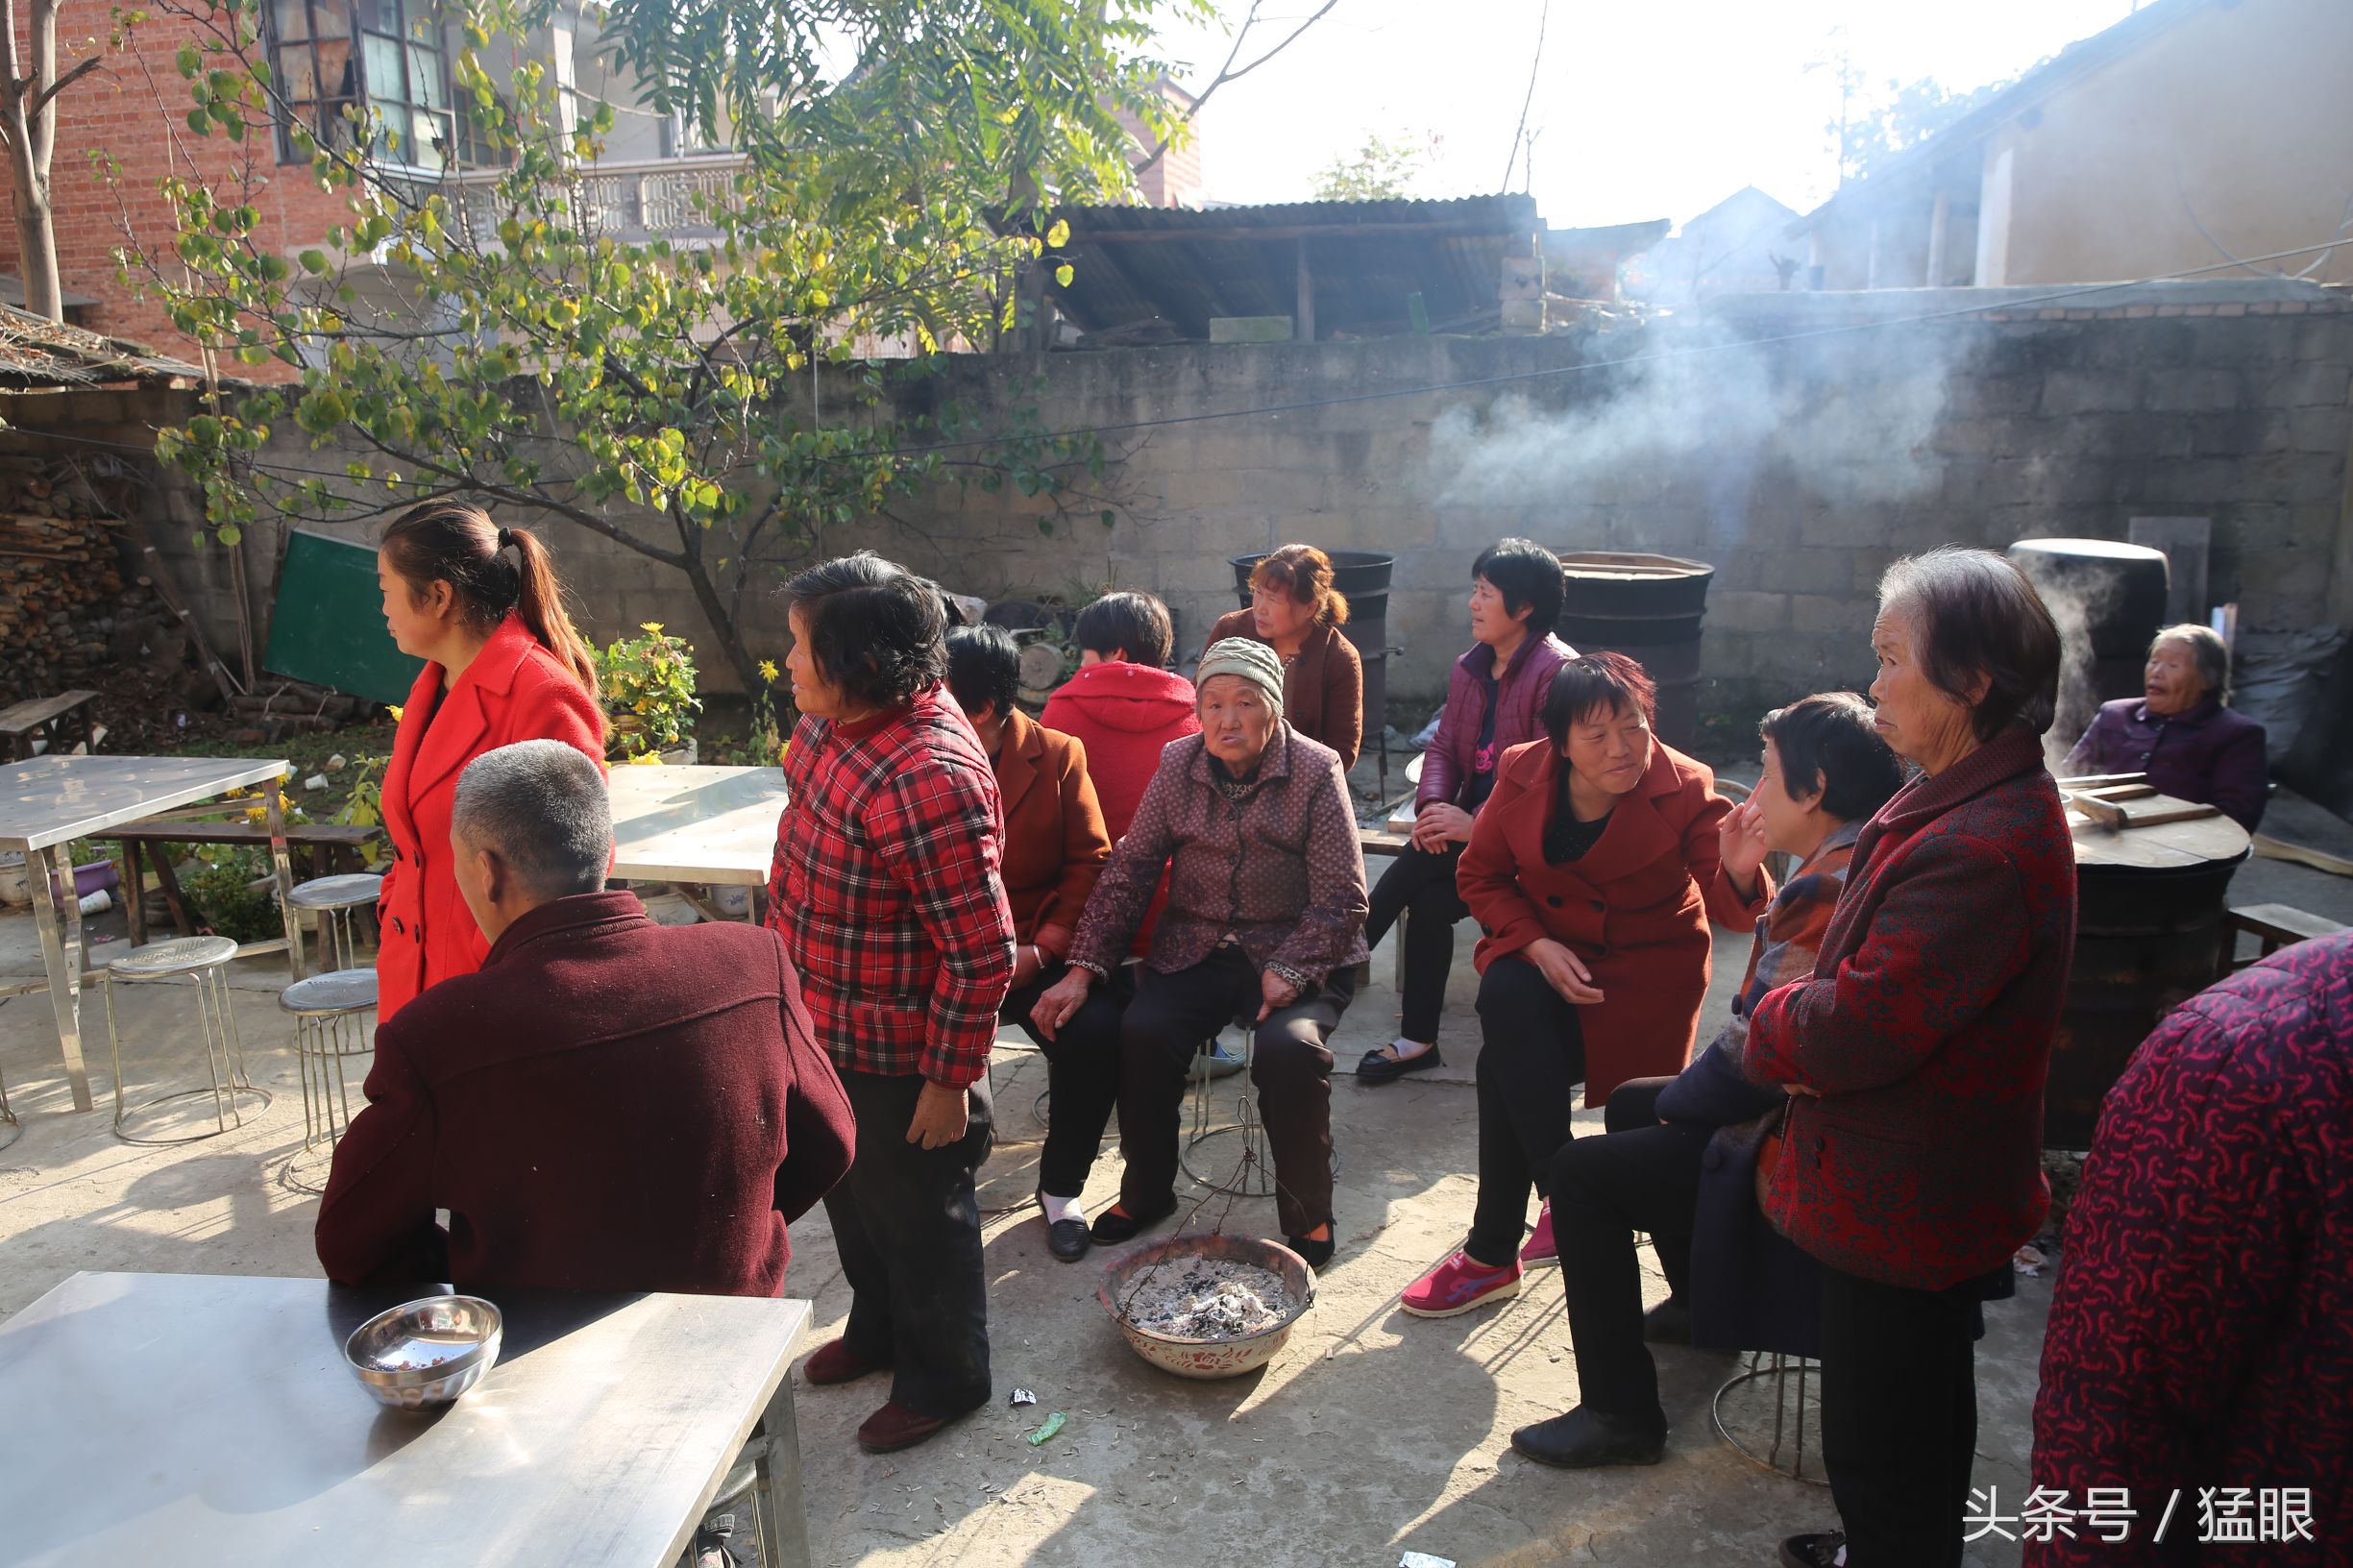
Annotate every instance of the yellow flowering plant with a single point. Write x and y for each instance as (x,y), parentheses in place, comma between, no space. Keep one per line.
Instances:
(648,685)
(767,741)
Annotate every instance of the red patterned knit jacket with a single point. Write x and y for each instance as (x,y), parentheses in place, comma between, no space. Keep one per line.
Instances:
(2201,1340)
(1925,1032)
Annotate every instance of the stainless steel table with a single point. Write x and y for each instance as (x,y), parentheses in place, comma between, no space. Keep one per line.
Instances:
(696,825)
(202,1420)
(47,803)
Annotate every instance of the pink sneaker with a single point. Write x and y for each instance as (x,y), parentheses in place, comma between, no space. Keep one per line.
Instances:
(1541,1252)
(1459,1286)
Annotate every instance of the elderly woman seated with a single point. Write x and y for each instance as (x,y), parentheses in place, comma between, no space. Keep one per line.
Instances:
(2178,731)
(1264,924)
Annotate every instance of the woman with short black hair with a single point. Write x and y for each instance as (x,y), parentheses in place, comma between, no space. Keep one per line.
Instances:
(1055,847)
(1910,1167)
(1123,705)
(887,892)
(1494,700)
(1592,871)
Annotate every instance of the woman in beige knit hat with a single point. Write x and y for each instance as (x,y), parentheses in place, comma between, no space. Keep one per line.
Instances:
(1264,927)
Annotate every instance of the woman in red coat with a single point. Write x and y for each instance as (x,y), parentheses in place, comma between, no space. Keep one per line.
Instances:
(1592,872)
(502,664)
(1911,1161)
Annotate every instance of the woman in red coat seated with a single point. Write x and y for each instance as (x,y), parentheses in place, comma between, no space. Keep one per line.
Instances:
(502,664)
(1910,1164)
(1592,871)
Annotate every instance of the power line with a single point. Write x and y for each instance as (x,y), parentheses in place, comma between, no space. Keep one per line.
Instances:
(1476,383)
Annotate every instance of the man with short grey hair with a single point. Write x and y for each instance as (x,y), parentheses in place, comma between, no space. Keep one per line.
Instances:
(607,1104)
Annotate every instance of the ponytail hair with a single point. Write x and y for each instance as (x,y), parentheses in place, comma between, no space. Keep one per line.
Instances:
(452,542)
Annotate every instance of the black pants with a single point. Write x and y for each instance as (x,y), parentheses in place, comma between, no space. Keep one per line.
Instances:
(1898,1416)
(1081,1073)
(1424,883)
(908,1230)
(1165,1024)
(1531,1057)
(1641,1175)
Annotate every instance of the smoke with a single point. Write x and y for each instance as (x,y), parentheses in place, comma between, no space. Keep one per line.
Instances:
(1848,421)
(2077,602)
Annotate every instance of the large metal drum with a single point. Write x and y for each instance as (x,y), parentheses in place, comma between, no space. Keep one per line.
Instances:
(2109,599)
(1363,577)
(2151,931)
(1648,607)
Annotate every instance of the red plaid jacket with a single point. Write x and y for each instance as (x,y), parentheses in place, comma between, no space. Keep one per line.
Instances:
(886,891)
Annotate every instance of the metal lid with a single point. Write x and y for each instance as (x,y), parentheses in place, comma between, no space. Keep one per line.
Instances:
(322,996)
(175,955)
(346,892)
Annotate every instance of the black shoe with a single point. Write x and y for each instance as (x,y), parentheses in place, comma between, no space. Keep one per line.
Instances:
(1111,1226)
(1669,1323)
(1819,1550)
(1376,1068)
(1316,1254)
(1584,1438)
(1066,1238)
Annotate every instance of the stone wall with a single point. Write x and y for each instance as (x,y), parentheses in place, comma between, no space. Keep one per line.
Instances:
(1847,430)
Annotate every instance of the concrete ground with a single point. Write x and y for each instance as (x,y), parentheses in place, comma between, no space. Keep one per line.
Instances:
(1371,1433)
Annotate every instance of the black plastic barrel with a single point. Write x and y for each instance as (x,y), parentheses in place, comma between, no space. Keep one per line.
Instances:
(2146,940)
(2105,594)
(1363,575)
(1650,608)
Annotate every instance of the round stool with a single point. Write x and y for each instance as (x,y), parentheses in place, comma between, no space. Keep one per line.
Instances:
(1778,1370)
(334,899)
(204,963)
(1253,1173)
(332,1022)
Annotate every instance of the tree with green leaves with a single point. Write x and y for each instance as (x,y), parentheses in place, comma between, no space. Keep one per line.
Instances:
(482,324)
(1380,169)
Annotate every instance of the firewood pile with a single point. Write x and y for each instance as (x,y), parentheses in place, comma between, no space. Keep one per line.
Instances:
(60,585)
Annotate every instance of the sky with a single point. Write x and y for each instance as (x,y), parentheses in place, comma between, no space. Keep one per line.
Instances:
(1658,109)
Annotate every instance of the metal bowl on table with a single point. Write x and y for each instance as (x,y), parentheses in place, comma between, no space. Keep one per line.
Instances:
(425,1353)
(1208,1358)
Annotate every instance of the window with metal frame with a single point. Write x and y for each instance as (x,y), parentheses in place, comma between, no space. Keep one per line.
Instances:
(329,56)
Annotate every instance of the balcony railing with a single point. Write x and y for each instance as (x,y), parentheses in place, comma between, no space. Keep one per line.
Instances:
(659,198)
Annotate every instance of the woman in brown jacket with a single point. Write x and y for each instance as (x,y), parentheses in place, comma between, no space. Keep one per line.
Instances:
(1055,847)
(1592,873)
(1295,610)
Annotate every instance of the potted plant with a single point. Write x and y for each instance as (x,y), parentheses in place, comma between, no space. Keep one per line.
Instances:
(648,684)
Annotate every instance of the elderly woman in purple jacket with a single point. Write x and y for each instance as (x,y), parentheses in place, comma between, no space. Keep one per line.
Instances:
(1494,701)
(2179,732)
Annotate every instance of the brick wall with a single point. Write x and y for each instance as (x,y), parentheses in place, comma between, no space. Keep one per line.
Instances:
(1799,469)
(139,123)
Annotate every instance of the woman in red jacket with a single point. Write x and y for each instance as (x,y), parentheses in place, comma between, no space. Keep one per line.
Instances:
(502,664)
(1911,1165)
(1592,871)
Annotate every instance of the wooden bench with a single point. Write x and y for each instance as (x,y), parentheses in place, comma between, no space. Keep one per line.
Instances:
(325,847)
(2276,926)
(20,723)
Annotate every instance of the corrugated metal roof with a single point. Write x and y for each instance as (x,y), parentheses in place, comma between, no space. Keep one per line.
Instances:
(1133,266)
(36,352)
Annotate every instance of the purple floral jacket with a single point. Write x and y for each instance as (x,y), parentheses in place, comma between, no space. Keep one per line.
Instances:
(1279,870)
(1452,759)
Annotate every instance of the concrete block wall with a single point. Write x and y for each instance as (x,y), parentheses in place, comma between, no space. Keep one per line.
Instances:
(1799,465)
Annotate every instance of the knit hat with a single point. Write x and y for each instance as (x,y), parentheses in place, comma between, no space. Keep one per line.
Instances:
(1252,660)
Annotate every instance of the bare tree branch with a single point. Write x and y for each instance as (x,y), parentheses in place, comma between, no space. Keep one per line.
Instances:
(1227,72)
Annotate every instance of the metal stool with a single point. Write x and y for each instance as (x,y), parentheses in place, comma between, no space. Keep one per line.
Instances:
(329,1030)
(202,961)
(1254,1174)
(1780,1369)
(8,1118)
(334,899)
